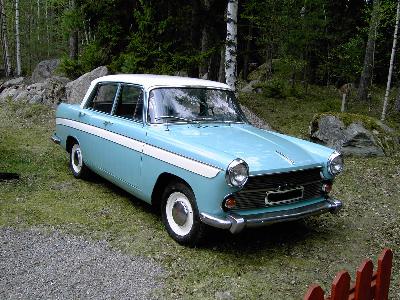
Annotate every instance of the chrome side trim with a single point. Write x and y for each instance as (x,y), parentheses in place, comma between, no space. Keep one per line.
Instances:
(153,151)
(236,223)
(55,139)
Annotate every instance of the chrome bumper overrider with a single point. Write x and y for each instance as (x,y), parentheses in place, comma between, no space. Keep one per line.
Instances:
(55,139)
(236,223)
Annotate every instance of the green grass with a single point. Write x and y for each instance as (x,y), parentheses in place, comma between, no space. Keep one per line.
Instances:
(277,262)
(292,115)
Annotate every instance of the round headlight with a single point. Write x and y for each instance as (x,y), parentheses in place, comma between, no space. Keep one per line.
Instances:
(335,163)
(237,173)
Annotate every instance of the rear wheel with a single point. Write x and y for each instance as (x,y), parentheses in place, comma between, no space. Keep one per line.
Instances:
(180,214)
(76,163)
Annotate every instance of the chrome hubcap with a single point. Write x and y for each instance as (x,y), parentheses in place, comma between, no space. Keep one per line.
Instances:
(180,213)
(76,158)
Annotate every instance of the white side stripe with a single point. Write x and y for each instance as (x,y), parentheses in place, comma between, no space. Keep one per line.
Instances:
(108,135)
(161,154)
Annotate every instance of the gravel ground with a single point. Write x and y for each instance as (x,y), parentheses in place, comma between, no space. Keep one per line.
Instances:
(35,264)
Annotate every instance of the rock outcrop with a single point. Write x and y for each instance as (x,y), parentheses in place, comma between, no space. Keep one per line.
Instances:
(76,90)
(355,138)
(12,82)
(45,69)
(50,91)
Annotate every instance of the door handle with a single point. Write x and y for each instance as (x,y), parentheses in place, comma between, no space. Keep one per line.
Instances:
(81,114)
(107,123)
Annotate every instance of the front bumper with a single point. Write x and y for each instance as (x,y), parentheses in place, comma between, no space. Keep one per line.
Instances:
(236,223)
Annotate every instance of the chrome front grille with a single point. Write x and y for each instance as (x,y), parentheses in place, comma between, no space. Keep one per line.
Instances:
(283,187)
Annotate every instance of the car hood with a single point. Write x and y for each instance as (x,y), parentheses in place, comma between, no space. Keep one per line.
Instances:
(264,151)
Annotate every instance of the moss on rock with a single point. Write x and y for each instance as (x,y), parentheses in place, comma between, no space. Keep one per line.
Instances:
(387,138)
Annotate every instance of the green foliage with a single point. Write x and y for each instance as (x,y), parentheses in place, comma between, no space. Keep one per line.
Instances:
(92,56)
(274,88)
(149,49)
(289,67)
(71,68)
(346,60)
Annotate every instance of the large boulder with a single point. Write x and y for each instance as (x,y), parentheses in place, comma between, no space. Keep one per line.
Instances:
(45,69)
(262,73)
(362,136)
(76,90)
(50,91)
(329,131)
(250,87)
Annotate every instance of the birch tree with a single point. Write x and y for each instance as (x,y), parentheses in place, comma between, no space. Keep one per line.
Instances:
(366,74)
(17,41)
(231,43)
(4,38)
(389,80)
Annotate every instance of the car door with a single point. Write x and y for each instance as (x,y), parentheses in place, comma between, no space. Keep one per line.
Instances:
(127,123)
(97,144)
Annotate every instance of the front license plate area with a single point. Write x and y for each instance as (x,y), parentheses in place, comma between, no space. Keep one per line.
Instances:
(290,194)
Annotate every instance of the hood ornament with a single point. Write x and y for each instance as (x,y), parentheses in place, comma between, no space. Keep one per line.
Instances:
(285,157)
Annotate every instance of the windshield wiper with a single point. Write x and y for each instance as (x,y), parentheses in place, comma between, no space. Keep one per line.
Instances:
(177,118)
(204,119)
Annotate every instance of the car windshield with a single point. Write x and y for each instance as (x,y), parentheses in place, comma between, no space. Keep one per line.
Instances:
(193,105)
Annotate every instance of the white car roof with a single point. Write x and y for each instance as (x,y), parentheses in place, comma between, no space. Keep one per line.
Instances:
(149,81)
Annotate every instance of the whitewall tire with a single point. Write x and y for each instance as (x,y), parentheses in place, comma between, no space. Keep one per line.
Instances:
(76,163)
(180,215)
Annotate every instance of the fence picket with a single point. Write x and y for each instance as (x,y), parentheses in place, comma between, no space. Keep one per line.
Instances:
(363,281)
(383,275)
(368,285)
(315,292)
(340,286)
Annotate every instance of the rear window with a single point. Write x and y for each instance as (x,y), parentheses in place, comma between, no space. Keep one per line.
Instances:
(103,97)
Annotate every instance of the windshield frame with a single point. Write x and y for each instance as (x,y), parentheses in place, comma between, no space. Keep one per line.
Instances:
(196,122)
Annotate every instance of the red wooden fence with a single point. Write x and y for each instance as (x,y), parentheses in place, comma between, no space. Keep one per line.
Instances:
(368,285)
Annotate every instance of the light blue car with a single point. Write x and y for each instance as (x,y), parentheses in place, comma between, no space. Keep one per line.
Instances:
(184,145)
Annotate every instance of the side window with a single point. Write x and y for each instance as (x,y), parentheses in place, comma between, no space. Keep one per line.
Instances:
(103,97)
(130,103)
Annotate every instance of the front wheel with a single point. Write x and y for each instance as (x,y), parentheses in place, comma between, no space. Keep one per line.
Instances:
(76,164)
(180,215)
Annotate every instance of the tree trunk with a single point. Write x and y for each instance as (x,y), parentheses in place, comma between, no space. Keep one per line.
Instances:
(17,41)
(231,44)
(366,74)
(221,72)
(194,35)
(73,37)
(246,54)
(397,104)
(4,37)
(389,80)
(205,45)
(46,13)
(343,108)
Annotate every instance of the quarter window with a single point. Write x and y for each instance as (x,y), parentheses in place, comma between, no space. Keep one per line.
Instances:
(103,98)
(130,104)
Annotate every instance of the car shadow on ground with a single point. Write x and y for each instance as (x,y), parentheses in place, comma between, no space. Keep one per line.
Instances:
(281,235)
(284,235)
